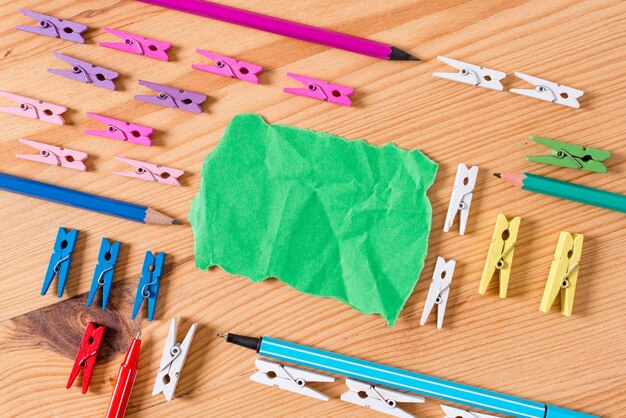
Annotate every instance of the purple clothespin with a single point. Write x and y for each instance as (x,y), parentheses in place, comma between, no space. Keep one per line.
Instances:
(122,131)
(173,97)
(229,67)
(34,109)
(321,90)
(49,154)
(54,27)
(138,45)
(86,72)
(151,172)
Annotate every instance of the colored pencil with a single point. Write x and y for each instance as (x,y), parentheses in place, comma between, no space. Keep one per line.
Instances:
(286,28)
(84,200)
(565,190)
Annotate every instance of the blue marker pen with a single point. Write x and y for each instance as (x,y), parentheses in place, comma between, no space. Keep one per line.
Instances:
(401,379)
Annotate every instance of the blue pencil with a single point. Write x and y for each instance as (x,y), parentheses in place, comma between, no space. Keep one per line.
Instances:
(84,200)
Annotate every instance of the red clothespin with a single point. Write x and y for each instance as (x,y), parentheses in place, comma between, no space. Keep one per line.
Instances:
(321,90)
(87,354)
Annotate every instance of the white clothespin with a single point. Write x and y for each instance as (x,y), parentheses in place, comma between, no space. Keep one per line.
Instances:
(289,378)
(452,412)
(172,362)
(472,74)
(461,198)
(549,91)
(439,290)
(379,399)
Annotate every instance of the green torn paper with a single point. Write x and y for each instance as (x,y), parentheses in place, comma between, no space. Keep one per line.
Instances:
(330,217)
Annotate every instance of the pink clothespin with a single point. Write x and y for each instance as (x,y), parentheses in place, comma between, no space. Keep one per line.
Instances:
(229,67)
(34,109)
(151,172)
(138,45)
(321,90)
(49,154)
(122,131)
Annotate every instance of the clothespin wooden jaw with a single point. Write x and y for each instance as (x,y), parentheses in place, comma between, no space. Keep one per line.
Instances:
(439,290)
(87,355)
(472,74)
(461,197)
(500,254)
(138,45)
(229,67)
(148,286)
(103,274)
(86,72)
(172,361)
(571,156)
(34,109)
(289,378)
(172,97)
(549,91)
(54,27)
(60,260)
(121,130)
(151,172)
(563,274)
(378,398)
(321,90)
(52,155)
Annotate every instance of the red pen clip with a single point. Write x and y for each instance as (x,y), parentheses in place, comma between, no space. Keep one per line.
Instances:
(87,354)
(321,90)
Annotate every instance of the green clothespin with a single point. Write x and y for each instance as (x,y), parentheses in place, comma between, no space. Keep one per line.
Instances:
(571,156)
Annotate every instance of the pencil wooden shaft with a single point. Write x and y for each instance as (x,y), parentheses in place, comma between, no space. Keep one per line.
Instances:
(285,28)
(82,200)
(569,191)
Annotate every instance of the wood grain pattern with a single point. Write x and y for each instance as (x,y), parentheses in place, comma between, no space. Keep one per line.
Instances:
(505,345)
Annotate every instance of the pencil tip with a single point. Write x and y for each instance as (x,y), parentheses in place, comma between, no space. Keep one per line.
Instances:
(397,54)
(221,336)
(176,222)
(498,175)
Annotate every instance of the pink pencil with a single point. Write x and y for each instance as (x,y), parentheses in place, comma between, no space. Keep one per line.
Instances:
(286,28)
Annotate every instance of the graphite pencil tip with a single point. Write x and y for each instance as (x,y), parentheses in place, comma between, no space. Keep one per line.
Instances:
(498,175)
(397,54)
(221,336)
(176,222)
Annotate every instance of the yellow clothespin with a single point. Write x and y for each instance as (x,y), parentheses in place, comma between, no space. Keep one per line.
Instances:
(563,273)
(500,255)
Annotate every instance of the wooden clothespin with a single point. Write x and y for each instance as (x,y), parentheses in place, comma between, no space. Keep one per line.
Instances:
(87,354)
(571,156)
(500,255)
(289,378)
(148,286)
(378,398)
(563,273)
(439,290)
(173,360)
(103,274)
(60,260)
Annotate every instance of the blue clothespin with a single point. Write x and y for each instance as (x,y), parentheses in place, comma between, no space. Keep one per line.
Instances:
(103,275)
(60,260)
(148,287)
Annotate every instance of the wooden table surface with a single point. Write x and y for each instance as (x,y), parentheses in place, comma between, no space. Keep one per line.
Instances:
(503,345)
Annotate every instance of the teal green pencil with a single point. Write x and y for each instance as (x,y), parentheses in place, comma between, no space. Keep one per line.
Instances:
(565,190)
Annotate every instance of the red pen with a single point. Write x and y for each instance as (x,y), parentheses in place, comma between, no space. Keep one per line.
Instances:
(125,380)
